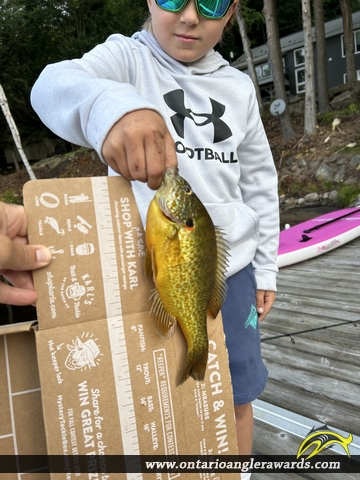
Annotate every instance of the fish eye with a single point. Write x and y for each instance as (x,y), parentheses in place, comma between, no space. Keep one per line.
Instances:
(187,189)
(189,223)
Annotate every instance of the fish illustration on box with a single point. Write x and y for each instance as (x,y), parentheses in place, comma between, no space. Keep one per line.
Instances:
(187,256)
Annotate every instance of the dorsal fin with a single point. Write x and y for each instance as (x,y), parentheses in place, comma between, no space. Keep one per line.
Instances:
(220,288)
(164,323)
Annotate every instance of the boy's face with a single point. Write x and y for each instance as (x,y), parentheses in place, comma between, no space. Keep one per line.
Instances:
(186,35)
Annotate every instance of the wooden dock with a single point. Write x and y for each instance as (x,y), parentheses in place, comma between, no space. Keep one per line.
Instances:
(315,373)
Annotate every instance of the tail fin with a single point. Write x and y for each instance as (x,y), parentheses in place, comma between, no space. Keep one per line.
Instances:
(195,366)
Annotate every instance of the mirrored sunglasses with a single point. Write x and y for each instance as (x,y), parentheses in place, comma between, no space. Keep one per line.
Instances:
(206,8)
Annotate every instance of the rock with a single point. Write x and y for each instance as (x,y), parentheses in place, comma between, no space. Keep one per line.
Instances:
(342,161)
(350,181)
(302,163)
(343,100)
(355,161)
(290,201)
(331,159)
(333,196)
(311,198)
(340,174)
(324,173)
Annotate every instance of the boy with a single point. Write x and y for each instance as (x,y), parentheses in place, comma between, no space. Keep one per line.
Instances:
(163,97)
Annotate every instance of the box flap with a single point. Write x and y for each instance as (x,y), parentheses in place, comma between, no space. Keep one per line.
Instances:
(18,327)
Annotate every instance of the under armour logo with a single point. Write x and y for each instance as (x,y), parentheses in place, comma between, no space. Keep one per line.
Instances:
(176,101)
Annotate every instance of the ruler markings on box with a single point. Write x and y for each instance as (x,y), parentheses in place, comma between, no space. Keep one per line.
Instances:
(114,318)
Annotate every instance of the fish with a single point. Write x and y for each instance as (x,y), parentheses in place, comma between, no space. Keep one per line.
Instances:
(188,257)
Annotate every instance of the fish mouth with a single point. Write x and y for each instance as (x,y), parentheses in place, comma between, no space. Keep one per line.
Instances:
(172,173)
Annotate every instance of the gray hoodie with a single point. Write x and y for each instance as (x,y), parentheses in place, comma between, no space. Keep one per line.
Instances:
(212,113)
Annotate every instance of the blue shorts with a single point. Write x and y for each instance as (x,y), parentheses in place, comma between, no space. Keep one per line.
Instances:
(241,326)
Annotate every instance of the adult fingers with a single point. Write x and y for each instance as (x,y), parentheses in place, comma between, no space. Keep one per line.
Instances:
(14,256)
(16,296)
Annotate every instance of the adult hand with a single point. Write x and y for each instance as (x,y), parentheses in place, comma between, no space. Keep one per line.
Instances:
(140,147)
(17,259)
(264,302)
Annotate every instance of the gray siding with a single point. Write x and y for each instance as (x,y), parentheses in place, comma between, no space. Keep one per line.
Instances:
(336,64)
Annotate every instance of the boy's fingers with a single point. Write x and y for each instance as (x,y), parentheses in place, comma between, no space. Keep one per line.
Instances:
(171,158)
(162,155)
(155,150)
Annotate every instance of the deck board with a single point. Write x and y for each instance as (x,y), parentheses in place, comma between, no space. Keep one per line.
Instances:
(269,441)
(318,373)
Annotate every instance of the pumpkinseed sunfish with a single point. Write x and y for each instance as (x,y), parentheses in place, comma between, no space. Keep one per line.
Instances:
(187,256)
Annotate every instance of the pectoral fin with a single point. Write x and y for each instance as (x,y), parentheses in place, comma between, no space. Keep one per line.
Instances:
(150,264)
(164,322)
(220,288)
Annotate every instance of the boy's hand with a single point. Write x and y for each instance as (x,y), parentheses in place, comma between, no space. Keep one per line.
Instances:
(264,302)
(140,147)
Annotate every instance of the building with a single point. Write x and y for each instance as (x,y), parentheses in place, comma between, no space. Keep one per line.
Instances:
(292,47)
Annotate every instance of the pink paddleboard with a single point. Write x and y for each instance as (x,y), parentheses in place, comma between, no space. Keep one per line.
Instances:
(318,235)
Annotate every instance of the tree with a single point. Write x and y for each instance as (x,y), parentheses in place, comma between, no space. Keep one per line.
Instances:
(310,99)
(34,33)
(15,133)
(345,6)
(247,50)
(321,66)
(273,43)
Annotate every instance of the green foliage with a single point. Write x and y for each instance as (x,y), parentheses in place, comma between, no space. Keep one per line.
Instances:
(347,194)
(297,187)
(352,109)
(329,117)
(254,19)
(10,197)
(34,33)
(328,186)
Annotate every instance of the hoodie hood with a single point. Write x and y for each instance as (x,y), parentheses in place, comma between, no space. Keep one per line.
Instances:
(210,63)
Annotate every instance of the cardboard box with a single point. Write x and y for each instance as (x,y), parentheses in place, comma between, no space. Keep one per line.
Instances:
(108,381)
(22,429)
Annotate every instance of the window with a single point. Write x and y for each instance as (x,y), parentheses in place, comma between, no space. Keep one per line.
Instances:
(299,57)
(263,71)
(356,43)
(300,80)
(357,76)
